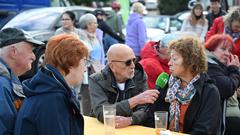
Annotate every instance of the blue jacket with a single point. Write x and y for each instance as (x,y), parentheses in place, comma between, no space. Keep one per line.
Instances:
(50,107)
(136,33)
(10,93)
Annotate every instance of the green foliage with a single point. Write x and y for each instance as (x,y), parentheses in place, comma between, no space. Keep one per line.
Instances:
(170,7)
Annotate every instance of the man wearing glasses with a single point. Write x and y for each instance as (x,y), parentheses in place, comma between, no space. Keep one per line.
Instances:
(123,83)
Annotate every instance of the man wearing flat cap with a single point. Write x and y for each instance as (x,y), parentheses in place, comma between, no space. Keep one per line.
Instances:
(16,57)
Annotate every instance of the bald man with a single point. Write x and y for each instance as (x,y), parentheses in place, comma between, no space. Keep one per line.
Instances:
(123,83)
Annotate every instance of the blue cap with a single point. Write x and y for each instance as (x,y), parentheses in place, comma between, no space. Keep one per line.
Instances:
(167,39)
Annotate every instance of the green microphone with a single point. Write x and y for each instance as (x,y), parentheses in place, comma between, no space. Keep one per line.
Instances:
(162,81)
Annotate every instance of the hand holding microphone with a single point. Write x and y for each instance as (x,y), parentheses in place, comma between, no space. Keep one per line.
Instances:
(161,83)
(150,96)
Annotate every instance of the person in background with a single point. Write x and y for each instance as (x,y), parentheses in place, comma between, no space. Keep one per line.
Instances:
(115,20)
(110,37)
(223,67)
(123,83)
(155,58)
(216,11)
(233,114)
(16,57)
(136,36)
(196,22)
(88,25)
(228,24)
(68,24)
(51,107)
(190,97)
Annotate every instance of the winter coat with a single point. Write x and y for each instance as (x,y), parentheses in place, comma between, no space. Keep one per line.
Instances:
(152,64)
(50,108)
(227,80)
(136,33)
(104,90)
(11,96)
(203,114)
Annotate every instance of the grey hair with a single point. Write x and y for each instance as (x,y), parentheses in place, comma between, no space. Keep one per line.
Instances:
(86,19)
(232,15)
(5,50)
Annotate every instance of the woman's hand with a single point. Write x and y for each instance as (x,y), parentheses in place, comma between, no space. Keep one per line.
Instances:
(233,60)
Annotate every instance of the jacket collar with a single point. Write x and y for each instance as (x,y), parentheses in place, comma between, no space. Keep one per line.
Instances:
(111,81)
(16,84)
(204,78)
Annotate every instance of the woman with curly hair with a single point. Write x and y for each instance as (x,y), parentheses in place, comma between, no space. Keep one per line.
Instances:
(196,23)
(190,97)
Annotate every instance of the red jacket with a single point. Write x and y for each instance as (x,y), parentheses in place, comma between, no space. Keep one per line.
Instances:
(152,64)
(218,28)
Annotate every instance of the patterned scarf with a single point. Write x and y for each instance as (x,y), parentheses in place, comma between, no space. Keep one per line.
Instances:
(234,35)
(176,96)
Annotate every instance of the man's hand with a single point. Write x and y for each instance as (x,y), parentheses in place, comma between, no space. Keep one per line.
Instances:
(121,121)
(148,96)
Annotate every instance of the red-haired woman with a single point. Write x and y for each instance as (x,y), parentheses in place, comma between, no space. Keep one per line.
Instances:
(51,107)
(223,67)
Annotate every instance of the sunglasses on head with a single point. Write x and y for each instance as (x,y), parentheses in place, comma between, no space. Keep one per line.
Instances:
(127,62)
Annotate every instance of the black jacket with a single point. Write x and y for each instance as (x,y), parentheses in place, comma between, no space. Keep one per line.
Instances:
(204,112)
(227,79)
(108,30)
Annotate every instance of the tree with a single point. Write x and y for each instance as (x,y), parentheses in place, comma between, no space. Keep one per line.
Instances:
(170,7)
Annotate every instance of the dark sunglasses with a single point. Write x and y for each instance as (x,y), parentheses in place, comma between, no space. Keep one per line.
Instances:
(127,62)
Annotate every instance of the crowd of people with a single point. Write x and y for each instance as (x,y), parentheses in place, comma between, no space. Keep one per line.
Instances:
(91,63)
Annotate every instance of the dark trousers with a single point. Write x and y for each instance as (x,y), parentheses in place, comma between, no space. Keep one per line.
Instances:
(232,126)
(85,100)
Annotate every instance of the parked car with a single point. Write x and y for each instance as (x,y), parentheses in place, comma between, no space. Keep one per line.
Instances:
(151,4)
(42,23)
(158,25)
(9,8)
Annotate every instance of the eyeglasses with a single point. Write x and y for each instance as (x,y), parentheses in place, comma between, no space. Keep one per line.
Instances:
(87,62)
(127,62)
